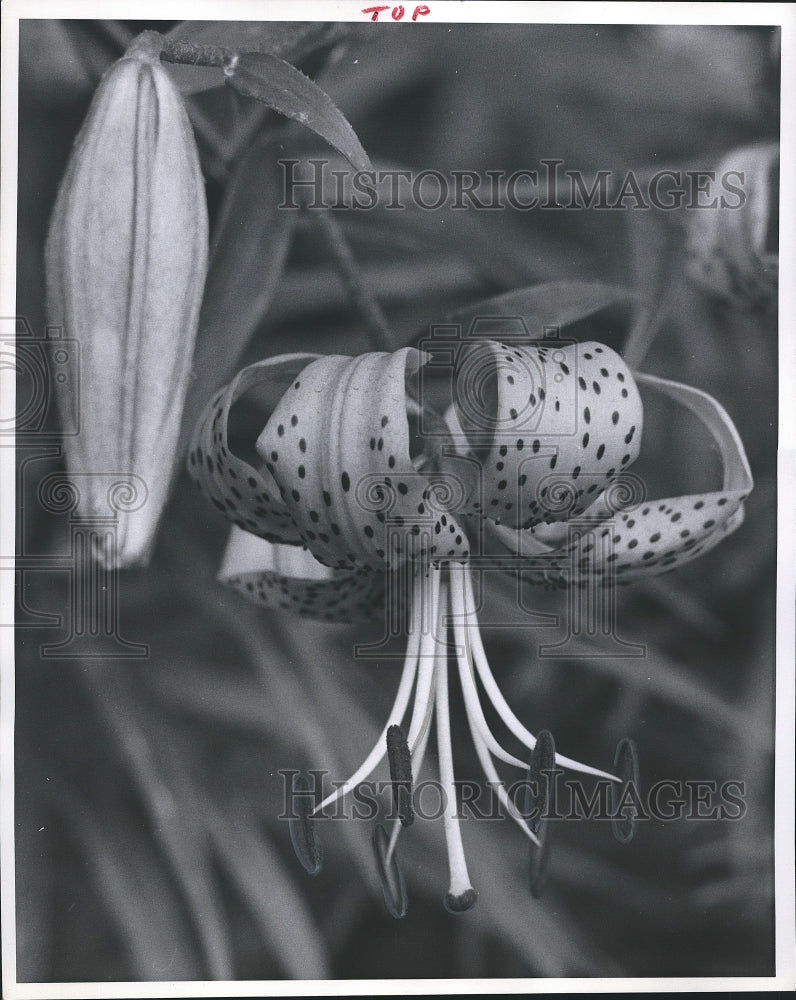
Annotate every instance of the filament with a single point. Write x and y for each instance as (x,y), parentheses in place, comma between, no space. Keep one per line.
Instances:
(462,591)
(397,712)
(459,877)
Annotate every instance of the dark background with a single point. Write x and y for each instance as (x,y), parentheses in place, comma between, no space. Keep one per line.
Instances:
(147,792)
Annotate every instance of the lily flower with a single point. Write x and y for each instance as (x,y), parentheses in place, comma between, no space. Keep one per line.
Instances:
(357,487)
(732,252)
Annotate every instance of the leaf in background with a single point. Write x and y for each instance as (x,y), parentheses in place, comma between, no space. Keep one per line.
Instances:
(249,246)
(127,871)
(63,62)
(224,125)
(292,41)
(656,243)
(174,816)
(271,894)
(287,90)
(556,303)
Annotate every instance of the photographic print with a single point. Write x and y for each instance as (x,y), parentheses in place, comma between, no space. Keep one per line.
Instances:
(392,409)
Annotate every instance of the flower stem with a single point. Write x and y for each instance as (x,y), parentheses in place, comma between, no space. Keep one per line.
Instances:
(190,54)
(350,272)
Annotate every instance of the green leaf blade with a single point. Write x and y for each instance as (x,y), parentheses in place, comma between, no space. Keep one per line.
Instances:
(287,90)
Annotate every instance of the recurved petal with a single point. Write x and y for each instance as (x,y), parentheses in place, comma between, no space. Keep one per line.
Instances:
(658,535)
(290,578)
(651,537)
(344,449)
(244,491)
(552,424)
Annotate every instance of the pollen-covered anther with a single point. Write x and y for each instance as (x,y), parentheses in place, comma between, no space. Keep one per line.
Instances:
(400,762)
(540,805)
(541,785)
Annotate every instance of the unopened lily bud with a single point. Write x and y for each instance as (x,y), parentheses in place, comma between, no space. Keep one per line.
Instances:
(732,246)
(126,260)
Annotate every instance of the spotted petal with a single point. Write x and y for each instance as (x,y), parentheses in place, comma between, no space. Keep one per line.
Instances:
(289,578)
(552,425)
(245,493)
(650,537)
(350,468)
(675,530)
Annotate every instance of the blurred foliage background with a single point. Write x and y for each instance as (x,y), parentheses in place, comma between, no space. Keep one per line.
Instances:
(148,845)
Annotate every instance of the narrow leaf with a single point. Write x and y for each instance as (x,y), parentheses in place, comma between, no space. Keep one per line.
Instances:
(287,40)
(287,90)
(249,245)
(552,304)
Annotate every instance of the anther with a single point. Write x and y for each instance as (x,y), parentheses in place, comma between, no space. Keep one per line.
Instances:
(624,796)
(400,762)
(303,833)
(539,799)
(540,805)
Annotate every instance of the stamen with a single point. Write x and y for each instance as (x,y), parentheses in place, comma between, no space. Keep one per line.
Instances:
(392,880)
(626,764)
(539,860)
(436,661)
(303,833)
(541,773)
(397,712)
(462,591)
(429,646)
(497,785)
(470,692)
(400,774)
(461,895)
(537,806)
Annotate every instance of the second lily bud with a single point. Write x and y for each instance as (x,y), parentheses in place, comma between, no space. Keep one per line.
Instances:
(126,261)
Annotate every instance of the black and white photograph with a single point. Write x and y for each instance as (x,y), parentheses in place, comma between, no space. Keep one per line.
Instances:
(397,500)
